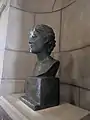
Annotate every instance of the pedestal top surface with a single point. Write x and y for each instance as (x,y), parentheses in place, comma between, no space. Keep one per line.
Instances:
(17,109)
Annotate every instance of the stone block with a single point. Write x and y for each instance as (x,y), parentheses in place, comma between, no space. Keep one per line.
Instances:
(3,28)
(76,25)
(34,5)
(62,3)
(19,24)
(81,67)
(75,67)
(85,99)
(65,93)
(18,64)
(1,62)
(75,96)
(66,66)
(11,86)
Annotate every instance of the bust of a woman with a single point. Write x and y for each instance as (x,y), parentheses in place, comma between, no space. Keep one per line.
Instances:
(42,42)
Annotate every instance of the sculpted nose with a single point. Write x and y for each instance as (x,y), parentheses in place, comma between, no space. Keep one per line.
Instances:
(31,41)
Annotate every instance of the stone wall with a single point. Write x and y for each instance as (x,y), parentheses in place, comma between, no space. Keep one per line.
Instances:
(75,47)
(70,20)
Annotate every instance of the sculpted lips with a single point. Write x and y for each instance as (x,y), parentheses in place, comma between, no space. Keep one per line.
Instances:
(30,47)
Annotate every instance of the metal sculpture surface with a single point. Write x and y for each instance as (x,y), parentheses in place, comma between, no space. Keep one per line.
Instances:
(42,89)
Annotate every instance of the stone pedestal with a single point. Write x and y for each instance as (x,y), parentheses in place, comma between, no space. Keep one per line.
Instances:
(41,92)
(17,110)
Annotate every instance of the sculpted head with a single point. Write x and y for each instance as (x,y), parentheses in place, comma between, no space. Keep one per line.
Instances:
(41,38)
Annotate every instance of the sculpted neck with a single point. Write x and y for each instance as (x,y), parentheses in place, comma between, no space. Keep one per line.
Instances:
(41,56)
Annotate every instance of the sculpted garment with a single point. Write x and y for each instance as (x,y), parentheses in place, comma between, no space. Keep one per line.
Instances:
(48,67)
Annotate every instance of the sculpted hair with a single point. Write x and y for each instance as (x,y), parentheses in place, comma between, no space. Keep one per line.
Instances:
(48,35)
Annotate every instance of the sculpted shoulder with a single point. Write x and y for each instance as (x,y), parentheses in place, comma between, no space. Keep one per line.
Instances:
(42,42)
(49,67)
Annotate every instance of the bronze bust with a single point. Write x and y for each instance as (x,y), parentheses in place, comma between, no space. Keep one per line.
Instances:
(42,88)
(42,42)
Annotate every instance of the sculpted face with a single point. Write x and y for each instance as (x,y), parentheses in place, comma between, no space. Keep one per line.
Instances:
(42,39)
(36,42)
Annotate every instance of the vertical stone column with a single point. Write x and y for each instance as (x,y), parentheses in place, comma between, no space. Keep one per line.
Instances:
(16,64)
(4,14)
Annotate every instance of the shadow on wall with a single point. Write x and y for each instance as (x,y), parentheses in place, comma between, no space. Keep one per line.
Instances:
(66,67)
(65,75)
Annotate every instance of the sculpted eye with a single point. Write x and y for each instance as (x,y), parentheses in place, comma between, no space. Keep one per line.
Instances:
(34,36)
(29,42)
(31,34)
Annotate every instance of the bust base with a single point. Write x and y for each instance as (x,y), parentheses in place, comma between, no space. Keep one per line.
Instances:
(33,105)
(41,92)
(29,103)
